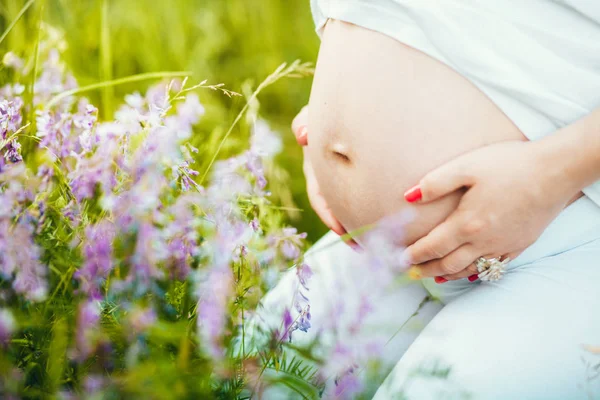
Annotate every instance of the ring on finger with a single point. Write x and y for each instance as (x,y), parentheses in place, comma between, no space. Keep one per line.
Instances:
(491,269)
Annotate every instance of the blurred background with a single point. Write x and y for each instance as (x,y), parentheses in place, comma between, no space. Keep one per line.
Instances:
(235,42)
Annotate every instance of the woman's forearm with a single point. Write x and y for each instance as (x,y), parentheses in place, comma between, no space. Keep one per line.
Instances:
(571,156)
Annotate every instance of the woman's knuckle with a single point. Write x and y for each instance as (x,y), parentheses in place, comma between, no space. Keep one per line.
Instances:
(448,266)
(432,253)
(474,226)
(463,173)
(427,185)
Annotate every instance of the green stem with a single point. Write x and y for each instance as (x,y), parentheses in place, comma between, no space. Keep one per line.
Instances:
(281,72)
(28,145)
(115,82)
(14,22)
(106,62)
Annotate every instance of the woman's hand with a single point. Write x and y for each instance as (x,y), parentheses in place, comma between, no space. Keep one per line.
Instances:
(514,190)
(317,201)
(299,127)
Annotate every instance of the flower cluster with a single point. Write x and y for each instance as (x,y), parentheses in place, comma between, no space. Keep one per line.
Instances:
(110,235)
(132,257)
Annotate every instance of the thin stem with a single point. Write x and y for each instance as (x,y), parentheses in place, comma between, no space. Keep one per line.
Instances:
(294,70)
(115,82)
(18,17)
(106,61)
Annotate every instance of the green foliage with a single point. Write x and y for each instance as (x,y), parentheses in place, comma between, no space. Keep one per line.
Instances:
(230,41)
(115,47)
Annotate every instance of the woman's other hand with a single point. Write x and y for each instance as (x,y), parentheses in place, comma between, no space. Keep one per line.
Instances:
(514,190)
(300,126)
(317,201)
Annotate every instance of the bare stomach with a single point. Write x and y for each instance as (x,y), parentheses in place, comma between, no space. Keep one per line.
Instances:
(381,116)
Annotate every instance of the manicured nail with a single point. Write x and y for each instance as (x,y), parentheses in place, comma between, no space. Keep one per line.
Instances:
(473,278)
(440,279)
(413,194)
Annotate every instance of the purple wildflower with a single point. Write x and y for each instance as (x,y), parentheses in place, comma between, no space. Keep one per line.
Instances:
(227,183)
(88,319)
(179,251)
(10,116)
(20,255)
(150,251)
(288,322)
(95,170)
(185,174)
(254,164)
(72,212)
(289,242)
(348,385)
(303,321)
(304,273)
(255,225)
(46,129)
(191,110)
(188,114)
(53,79)
(182,235)
(45,173)
(300,303)
(385,240)
(85,121)
(98,262)
(15,191)
(93,384)
(10,122)
(12,152)
(216,289)
(141,319)
(214,296)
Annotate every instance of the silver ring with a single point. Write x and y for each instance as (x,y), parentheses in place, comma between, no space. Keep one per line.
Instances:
(491,269)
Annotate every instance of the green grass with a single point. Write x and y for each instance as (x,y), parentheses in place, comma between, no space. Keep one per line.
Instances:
(229,41)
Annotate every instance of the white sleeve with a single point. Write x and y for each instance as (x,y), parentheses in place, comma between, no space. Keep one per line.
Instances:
(319,16)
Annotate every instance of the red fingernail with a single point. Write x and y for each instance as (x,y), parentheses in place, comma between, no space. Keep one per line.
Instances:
(413,194)
(473,278)
(440,279)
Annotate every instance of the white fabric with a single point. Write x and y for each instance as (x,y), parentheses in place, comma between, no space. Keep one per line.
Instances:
(538,60)
(519,338)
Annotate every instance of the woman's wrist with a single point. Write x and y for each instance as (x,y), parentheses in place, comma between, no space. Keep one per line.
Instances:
(570,158)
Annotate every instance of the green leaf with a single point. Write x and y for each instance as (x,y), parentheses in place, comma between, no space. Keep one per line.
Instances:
(57,354)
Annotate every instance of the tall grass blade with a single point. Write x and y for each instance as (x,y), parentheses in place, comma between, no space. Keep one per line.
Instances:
(106,62)
(57,354)
(18,17)
(296,69)
(116,82)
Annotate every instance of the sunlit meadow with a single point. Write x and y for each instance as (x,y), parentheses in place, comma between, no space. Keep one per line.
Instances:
(151,194)
(145,207)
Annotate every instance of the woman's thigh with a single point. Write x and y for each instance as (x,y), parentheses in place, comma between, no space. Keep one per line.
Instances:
(523,337)
(348,298)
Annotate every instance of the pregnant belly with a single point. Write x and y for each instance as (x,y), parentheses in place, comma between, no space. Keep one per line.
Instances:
(381,116)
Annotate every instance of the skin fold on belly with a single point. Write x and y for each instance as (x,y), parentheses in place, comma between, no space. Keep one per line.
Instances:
(382,115)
